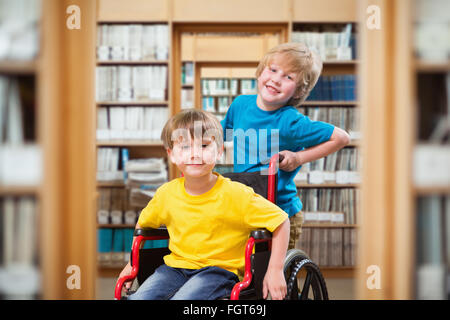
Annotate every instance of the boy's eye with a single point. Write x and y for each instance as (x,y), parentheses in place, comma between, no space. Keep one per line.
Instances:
(289,77)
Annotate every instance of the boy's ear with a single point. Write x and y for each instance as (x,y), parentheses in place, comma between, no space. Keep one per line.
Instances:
(219,152)
(170,155)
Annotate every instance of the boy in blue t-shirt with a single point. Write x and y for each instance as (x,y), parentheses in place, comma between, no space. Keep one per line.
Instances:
(268,123)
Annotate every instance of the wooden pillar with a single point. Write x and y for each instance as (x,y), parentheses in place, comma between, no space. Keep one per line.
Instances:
(67,77)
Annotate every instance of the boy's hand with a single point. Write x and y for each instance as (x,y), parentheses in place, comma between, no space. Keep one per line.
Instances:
(125,272)
(275,284)
(290,162)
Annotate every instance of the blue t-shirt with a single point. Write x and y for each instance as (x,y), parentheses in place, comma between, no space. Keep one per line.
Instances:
(259,134)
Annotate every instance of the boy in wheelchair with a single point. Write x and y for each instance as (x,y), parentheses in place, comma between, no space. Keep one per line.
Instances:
(209,218)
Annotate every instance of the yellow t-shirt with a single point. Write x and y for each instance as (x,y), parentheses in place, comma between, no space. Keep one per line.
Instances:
(210,229)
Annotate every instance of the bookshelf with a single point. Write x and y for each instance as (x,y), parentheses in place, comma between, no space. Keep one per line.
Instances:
(133,60)
(329,195)
(46,190)
(411,184)
(20,142)
(196,33)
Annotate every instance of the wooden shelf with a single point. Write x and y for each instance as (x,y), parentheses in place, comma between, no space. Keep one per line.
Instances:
(340,62)
(432,67)
(19,190)
(329,225)
(431,190)
(129,143)
(132,103)
(117,226)
(330,103)
(11,67)
(326,185)
(130,62)
(101,184)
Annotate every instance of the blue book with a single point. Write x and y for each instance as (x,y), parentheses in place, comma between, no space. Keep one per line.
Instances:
(334,88)
(128,239)
(353,88)
(125,158)
(104,240)
(118,240)
(326,88)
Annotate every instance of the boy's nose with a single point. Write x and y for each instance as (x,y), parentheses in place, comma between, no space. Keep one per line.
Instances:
(196,152)
(276,78)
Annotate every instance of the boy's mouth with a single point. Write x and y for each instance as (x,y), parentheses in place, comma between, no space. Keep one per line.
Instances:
(272,90)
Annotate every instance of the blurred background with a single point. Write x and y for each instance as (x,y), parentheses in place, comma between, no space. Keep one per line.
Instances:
(86,86)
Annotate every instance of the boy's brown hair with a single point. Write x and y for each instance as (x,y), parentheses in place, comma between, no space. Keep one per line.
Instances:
(187,119)
(301,61)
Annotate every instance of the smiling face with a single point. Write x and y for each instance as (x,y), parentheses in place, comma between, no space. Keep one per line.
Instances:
(277,84)
(195,157)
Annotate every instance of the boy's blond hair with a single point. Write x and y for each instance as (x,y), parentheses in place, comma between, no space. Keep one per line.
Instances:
(188,119)
(301,61)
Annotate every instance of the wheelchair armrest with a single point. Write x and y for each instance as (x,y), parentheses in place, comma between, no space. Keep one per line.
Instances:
(261,234)
(150,232)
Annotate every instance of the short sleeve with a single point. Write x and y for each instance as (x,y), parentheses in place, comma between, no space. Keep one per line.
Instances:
(152,216)
(228,121)
(261,213)
(308,133)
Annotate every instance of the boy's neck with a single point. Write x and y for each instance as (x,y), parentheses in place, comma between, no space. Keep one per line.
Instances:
(263,106)
(198,185)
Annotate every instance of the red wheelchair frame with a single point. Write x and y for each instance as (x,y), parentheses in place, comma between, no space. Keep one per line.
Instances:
(259,236)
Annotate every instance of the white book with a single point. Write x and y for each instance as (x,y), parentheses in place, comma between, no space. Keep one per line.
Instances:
(26,235)
(148,122)
(148,42)
(14,132)
(161,31)
(21,165)
(8,231)
(135,42)
(124,90)
(102,123)
(3,92)
(117,122)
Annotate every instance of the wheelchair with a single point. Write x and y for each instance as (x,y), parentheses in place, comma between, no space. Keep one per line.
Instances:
(303,277)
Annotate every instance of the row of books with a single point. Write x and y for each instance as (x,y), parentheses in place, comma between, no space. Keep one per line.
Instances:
(330,205)
(20,155)
(433,247)
(216,104)
(132,42)
(19,269)
(131,83)
(131,122)
(187,73)
(334,88)
(19,32)
(187,98)
(346,118)
(223,86)
(340,167)
(332,247)
(331,42)
(114,207)
(431,30)
(114,246)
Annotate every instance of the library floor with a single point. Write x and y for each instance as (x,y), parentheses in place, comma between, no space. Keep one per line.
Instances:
(338,289)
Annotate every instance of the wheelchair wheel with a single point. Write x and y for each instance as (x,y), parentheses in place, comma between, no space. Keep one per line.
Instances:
(312,283)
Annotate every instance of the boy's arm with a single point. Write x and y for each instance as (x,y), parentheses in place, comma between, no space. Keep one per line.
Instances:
(274,282)
(292,160)
(127,269)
